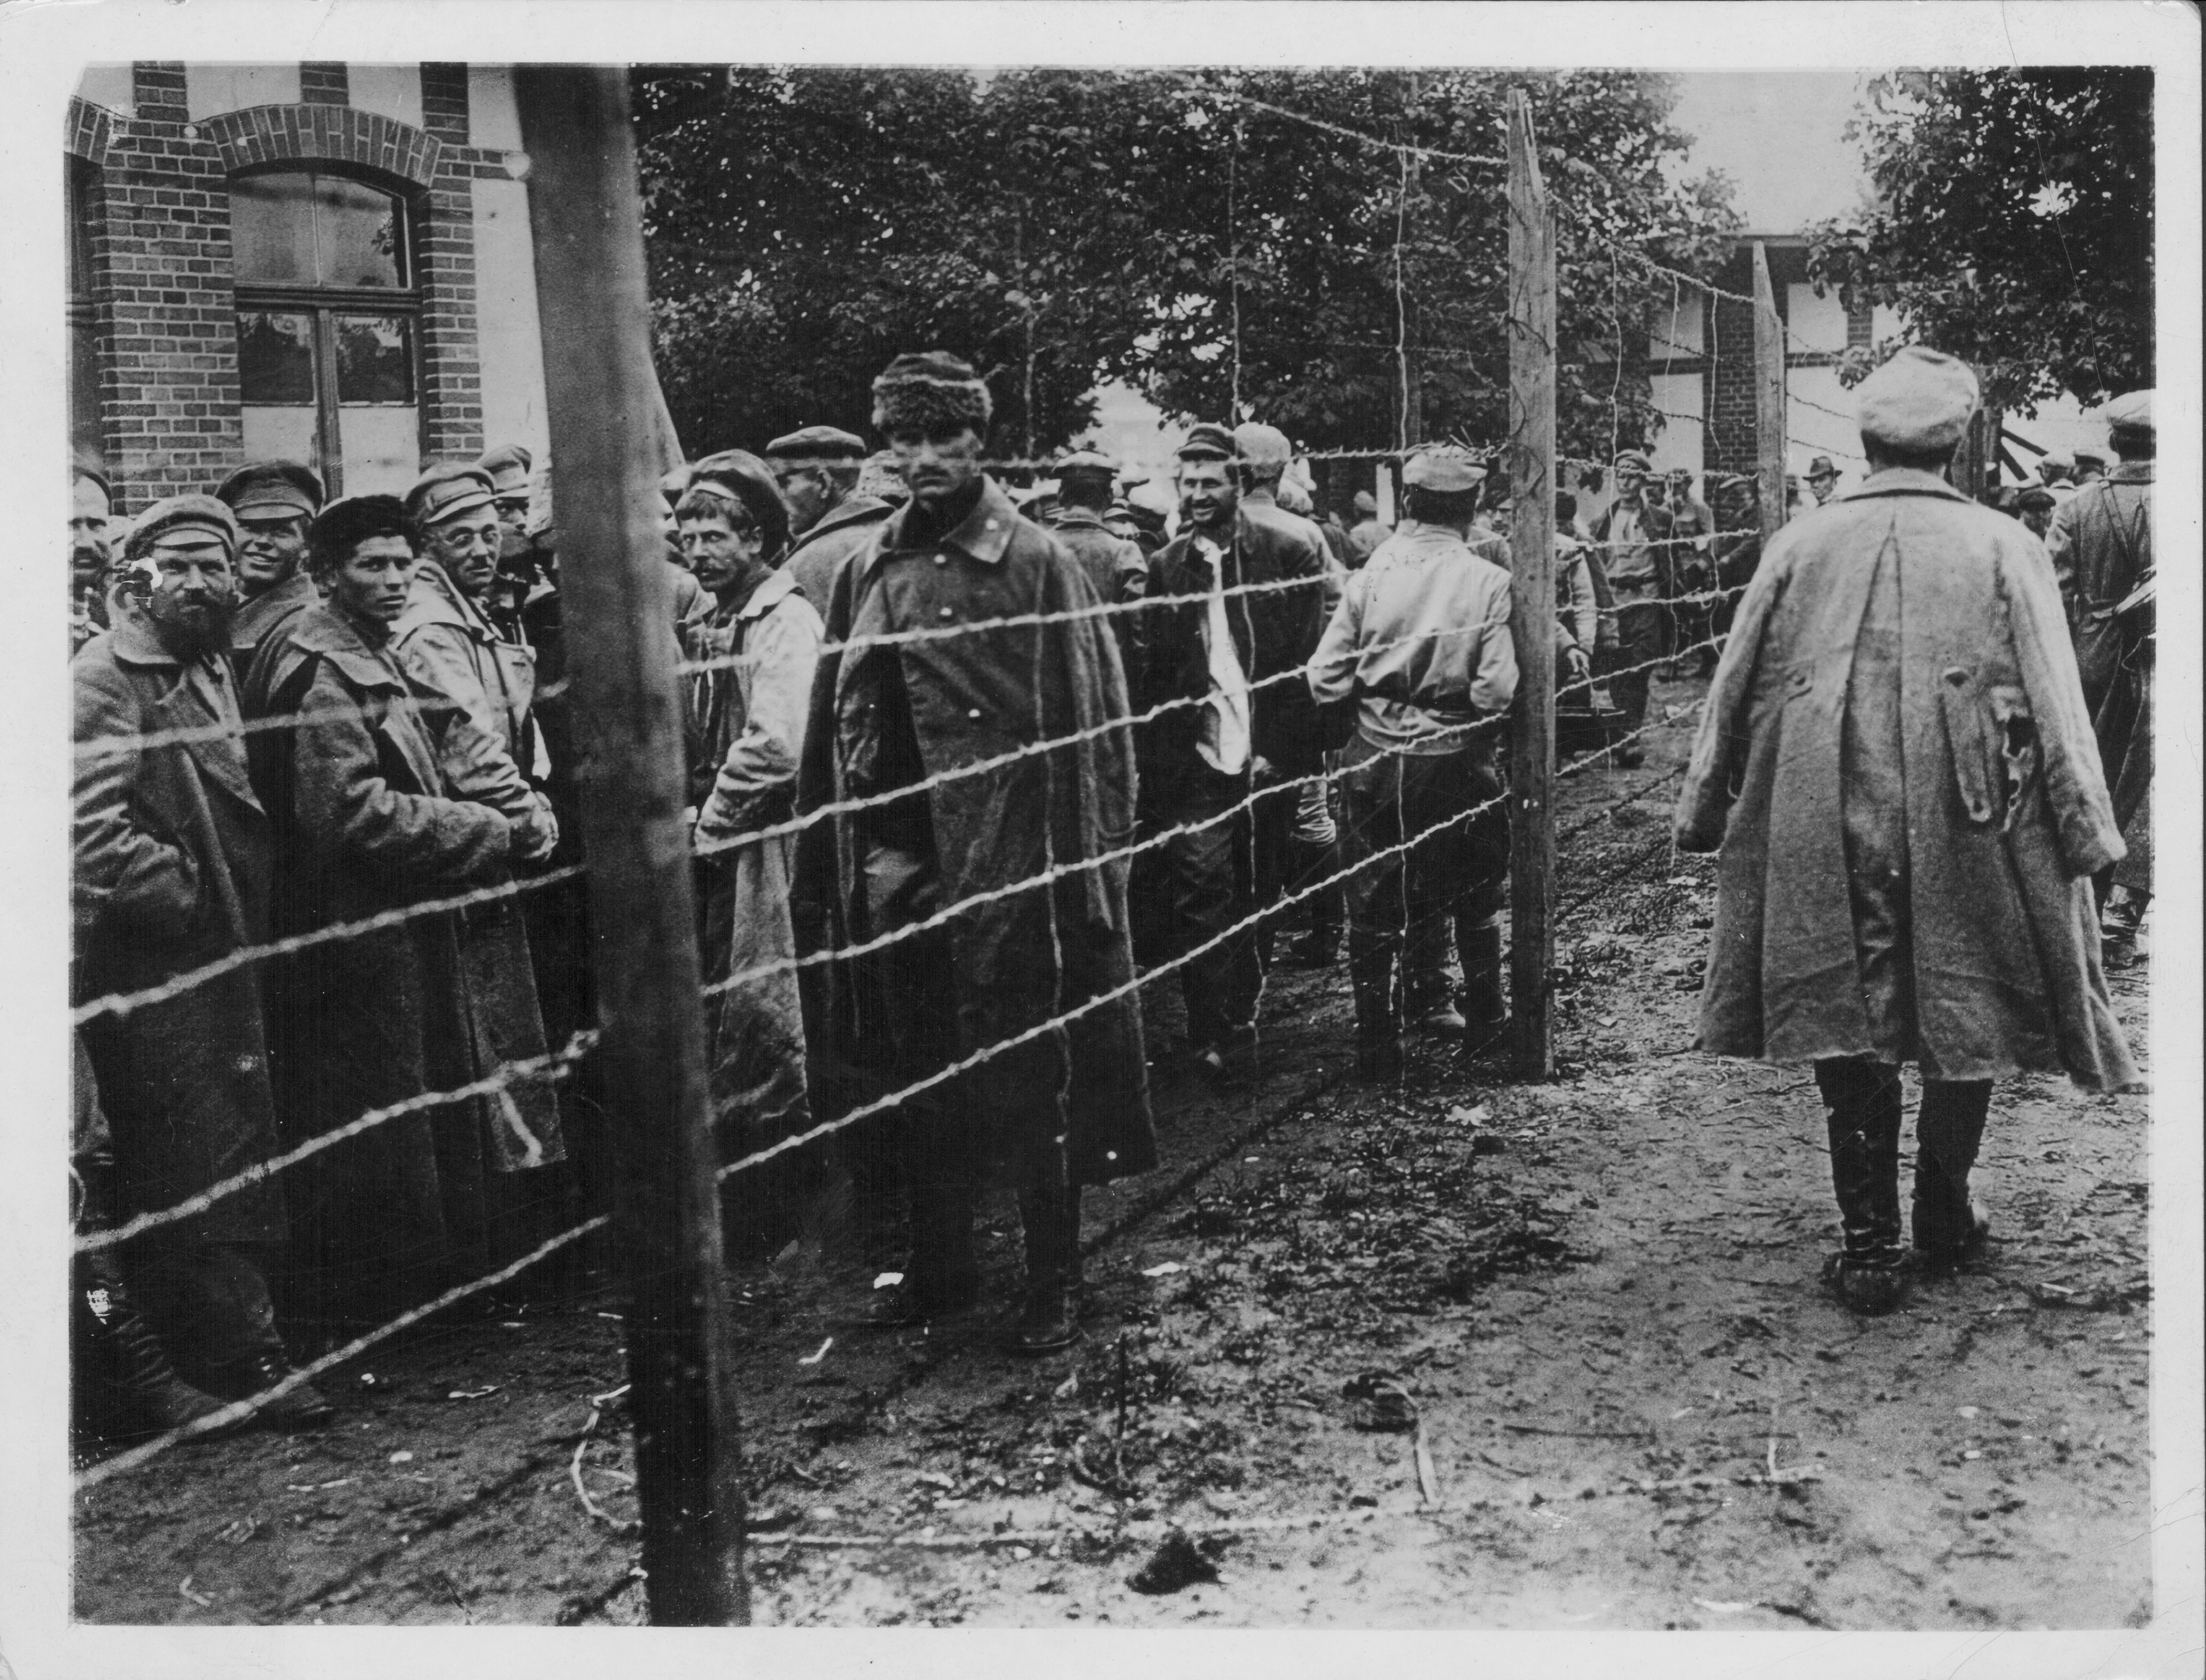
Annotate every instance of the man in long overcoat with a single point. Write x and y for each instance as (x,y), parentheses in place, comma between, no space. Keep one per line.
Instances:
(366,822)
(172,861)
(2100,541)
(1896,762)
(1069,1106)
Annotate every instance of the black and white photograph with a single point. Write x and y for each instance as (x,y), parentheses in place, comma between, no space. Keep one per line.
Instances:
(1201,817)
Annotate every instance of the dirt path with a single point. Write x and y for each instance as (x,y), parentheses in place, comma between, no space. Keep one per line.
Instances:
(1593,1302)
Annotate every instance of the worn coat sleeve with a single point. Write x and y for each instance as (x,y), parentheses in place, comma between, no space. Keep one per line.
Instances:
(2075,783)
(1726,721)
(123,869)
(1583,613)
(441,660)
(1493,684)
(346,804)
(2060,546)
(1333,666)
(757,782)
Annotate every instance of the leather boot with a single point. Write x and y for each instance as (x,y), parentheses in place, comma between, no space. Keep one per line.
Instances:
(1049,1218)
(129,1355)
(1863,1100)
(1485,1000)
(2118,921)
(1319,947)
(942,1276)
(1378,1021)
(1949,1229)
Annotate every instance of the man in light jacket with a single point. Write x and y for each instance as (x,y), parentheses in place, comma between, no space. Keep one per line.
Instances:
(1896,762)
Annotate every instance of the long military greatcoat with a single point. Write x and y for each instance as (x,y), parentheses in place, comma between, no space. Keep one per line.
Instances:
(172,858)
(1897,764)
(1022,959)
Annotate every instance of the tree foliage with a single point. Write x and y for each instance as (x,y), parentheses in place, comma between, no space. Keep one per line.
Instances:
(1063,227)
(2013,224)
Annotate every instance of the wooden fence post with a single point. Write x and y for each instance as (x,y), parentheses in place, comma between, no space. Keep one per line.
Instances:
(600,391)
(1769,401)
(1532,595)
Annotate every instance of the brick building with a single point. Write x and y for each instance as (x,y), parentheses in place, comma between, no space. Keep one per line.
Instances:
(330,262)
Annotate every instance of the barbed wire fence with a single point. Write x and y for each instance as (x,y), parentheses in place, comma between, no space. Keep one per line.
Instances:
(1531,462)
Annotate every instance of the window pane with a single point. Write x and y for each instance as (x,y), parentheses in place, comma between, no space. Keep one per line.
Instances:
(276,357)
(375,360)
(382,448)
(84,388)
(271,228)
(358,234)
(282,434)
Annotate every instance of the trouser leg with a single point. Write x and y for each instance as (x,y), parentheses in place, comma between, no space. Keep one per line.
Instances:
(1948,1129)
(1862,1099)
(1213,887)
(1049,1220)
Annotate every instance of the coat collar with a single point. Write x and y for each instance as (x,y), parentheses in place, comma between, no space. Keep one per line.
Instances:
(1901,481)
(204,693)
(1085,519)
(851,510)
(132,638)
(985,534)
(2130,472)
(779,586)
(322,629)
(436,599)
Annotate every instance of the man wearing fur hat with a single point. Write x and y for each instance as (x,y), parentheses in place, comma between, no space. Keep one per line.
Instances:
(1063,1103)
(173,854)
(2100,540)
(1896,762)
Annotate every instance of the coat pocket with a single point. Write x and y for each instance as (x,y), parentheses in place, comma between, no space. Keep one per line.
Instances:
(1966,742)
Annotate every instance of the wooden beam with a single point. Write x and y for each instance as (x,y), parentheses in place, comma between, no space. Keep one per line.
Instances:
(1532,595)
(1769,418)
(603,399)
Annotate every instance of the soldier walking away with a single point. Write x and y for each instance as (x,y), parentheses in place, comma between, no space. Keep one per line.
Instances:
(172,871)
(2100,541)
(1066,1103)
(1896,762)
(274,503)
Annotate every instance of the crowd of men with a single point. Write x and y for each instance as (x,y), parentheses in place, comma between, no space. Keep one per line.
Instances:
(1031,752)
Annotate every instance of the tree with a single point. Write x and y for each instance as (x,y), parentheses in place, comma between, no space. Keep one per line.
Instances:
(1167,228)
(2013,226)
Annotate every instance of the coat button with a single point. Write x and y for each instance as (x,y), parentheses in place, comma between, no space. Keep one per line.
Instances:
(945,613)
(975,714)
(941,559)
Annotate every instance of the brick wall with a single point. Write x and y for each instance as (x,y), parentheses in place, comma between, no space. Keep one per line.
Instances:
(164,300)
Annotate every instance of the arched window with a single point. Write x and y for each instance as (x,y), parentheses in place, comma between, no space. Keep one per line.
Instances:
(327,320)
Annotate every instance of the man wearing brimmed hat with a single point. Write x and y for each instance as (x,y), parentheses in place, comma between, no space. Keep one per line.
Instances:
(1242,601)
(1896,762)
(274,503)
(1632,538)
(1420,648)
(1822,479)
(2100,541)
(172,861)
(1063,1107)
(818,468)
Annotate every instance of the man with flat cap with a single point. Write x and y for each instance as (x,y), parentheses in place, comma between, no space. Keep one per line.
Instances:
(1115,565)
(2091,465)
(2100,540)
(1896,762)
(1244,598)
(1420,650)
(274,503)
(1632,539)
(1061,1102)
(817,468)
(173,855)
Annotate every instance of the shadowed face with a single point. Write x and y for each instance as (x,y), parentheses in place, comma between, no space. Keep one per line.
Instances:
(937,465)
(374,580)
(809,493)
(88,546)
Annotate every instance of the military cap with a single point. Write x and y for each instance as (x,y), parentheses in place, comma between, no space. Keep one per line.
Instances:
(277,487)
(1294,498)
(1207,442)
(1445,469)
(1366,502)
(446,492)
(1724,483)
(1086,464)
(542,519)
(740,476)
(1820,467)
(2034,489)
(812,443)
(506,468)
(1631,461)
(1261,445)
(2131,412)
(177,514)
(1920,401)
(2091,454)
(2056,460)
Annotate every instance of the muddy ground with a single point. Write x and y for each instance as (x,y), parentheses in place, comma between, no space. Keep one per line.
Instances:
(1465,1353)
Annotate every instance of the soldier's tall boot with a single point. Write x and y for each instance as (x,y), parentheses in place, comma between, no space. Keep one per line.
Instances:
(130,1362)
(1319,947)
(1485,999)
(1049,1217)
(1377,1017)
(1949,1229)
(1870,1274)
